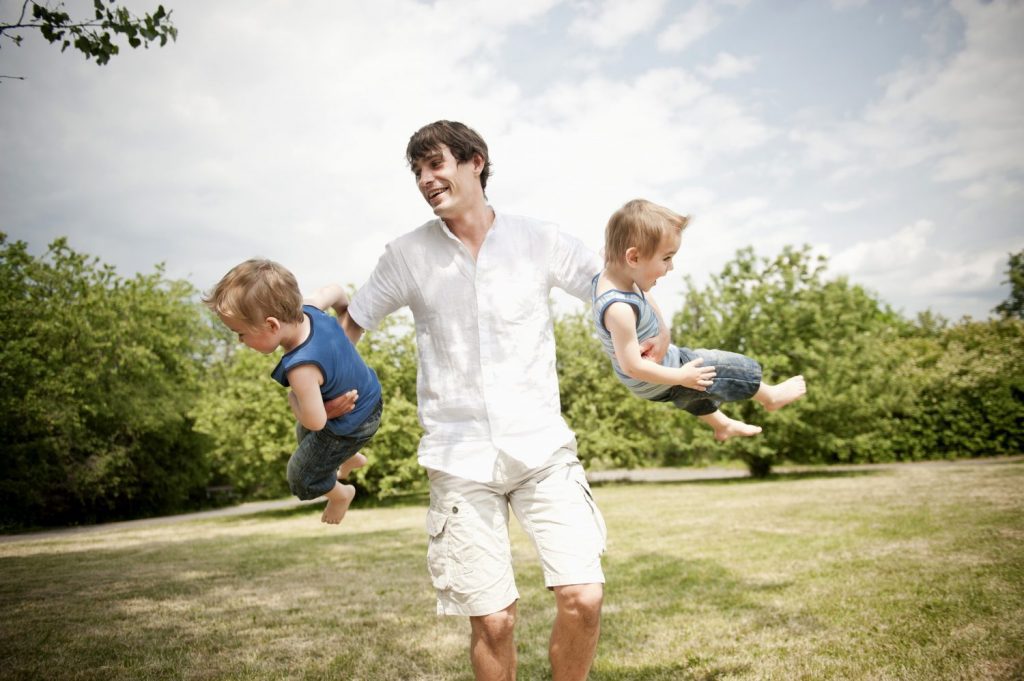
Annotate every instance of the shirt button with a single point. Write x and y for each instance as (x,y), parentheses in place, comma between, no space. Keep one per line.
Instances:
(455,509)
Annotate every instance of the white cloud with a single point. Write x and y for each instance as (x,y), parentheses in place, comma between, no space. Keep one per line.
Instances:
(960,113)
(911,269)
(842,5)
(281,133)
(990,188)
(842,206)
(612,23)
(888,256)
(688,27)
(728,65)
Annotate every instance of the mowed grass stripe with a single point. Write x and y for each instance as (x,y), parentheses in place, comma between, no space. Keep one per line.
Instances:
(911,572)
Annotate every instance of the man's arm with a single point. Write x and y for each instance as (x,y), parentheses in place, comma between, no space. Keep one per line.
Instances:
(329,297)
(351,327)
(656,348)
(346,402)
(382,294)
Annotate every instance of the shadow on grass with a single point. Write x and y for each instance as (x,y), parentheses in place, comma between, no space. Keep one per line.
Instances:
(362,501)
(199,606)
(690,670)
(654,600)
(783,476)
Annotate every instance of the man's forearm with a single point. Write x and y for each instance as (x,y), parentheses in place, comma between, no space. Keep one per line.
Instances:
(352,330)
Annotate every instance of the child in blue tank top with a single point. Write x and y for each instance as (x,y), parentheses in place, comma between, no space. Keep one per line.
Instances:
(640,241)
(260,301)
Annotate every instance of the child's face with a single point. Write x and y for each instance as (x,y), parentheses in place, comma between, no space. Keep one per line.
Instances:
(649,270)
(265,339)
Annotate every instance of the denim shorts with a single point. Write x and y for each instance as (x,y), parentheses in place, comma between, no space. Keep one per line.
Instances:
(313,468)
(737,377)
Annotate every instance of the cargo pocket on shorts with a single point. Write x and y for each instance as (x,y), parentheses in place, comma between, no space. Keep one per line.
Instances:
(581,480)
(437,550)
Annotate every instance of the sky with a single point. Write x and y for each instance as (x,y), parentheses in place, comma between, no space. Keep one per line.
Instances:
(887,136)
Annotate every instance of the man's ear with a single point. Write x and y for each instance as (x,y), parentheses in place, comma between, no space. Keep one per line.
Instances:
(478,164)
(632,256)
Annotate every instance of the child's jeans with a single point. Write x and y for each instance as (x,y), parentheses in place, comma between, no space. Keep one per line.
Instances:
(313,468)
(737,377)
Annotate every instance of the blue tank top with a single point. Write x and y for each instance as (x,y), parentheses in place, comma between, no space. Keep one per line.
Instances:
(330,350)
(646,327)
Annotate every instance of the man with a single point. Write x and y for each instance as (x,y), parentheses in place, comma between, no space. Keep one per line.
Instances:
(477,283)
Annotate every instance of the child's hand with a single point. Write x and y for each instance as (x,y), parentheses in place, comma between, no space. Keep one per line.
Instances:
(695,376)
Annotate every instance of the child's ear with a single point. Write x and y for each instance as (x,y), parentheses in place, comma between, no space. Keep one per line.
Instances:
(273,323)
(632,256)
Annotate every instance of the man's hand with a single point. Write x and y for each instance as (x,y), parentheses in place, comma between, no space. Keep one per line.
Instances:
(342,404)
(695,376)
(655,348)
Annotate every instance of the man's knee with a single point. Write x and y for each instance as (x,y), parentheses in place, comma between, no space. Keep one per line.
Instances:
(497,626)
(582,601)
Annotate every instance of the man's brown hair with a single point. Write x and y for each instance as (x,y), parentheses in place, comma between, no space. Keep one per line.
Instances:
(463,141)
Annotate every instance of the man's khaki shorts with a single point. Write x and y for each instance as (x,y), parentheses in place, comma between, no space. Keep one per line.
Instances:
(469,555)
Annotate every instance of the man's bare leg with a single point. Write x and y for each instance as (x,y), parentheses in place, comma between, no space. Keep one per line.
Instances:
(775,397)
(577,627)
(492,647)
(726,427)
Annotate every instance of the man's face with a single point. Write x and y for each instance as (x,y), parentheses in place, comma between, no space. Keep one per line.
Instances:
(451,188)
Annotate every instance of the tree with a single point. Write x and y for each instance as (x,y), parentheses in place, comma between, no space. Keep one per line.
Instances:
(92,37)
(96,375)
(783,313)
(246,420)
(1014,305)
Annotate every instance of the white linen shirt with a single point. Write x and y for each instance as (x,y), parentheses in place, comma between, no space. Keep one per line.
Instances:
(484,336)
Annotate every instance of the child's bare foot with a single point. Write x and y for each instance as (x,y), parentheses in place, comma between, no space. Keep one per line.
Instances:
(775,397)
(353,462)
(734,428)
(338,501)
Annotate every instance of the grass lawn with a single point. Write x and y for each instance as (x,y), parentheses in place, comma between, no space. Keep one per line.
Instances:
(911,572)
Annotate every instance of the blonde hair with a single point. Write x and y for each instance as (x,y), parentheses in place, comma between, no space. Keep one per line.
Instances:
(639,224)
(254,290)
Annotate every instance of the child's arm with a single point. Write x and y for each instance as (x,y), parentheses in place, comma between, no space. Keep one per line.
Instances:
(304,398)
(620,320)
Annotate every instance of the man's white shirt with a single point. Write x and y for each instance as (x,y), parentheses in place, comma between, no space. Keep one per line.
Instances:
(484,335)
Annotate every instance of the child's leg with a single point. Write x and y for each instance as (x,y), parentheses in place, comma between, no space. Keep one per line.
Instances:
(338,501)
(774,397)
(312,472)
(353,462)
(726,427)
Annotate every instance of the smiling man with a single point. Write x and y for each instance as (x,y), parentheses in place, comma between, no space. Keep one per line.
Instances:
(477,283)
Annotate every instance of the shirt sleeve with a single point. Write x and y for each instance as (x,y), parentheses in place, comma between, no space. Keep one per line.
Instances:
(573,266)
(383,293)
